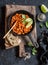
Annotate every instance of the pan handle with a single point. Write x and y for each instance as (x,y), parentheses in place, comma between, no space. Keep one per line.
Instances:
(33,40)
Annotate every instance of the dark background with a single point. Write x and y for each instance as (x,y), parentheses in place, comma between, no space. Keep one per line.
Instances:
(8,57)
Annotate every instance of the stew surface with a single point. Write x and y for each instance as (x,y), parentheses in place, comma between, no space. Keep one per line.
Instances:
(23,23)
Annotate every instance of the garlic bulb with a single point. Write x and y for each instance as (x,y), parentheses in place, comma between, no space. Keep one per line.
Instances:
(41,17)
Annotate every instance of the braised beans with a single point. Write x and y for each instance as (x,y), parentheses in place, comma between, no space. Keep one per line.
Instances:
(19,28)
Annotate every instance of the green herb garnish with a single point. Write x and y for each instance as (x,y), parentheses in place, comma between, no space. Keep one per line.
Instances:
(23,16)
(46,24)
(34,51)
(29,24)
(29,44)
(41,25)
(25,20)
(29,21)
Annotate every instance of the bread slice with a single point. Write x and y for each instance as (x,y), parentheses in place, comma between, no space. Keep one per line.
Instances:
(13,40)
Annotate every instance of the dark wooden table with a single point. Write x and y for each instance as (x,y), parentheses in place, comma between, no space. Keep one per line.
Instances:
(7,57)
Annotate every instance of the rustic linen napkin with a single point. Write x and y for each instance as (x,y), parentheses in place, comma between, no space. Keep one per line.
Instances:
(11,9)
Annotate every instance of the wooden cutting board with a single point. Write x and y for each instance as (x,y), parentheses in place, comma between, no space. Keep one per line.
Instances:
(11,9)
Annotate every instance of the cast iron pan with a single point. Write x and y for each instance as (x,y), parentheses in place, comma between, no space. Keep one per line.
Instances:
(29,33)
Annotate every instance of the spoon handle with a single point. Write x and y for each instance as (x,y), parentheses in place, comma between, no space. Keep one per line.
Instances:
(9,31)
